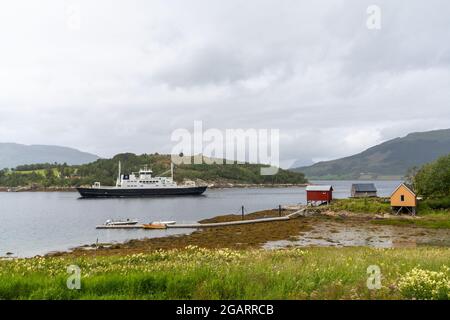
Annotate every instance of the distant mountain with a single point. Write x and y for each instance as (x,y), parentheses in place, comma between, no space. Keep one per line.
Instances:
(13,154)
(391,159)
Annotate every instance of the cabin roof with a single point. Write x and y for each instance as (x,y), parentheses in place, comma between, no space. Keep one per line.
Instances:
(319,188)
(407,186)
(364,187)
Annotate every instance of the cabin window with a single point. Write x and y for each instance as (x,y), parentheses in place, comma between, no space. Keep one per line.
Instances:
(402,198)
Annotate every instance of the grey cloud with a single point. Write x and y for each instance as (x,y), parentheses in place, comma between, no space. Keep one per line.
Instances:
(136,71)
(205,66)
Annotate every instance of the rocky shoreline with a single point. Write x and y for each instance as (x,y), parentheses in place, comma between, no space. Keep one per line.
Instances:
(237,237)
(318,228)
(39,189)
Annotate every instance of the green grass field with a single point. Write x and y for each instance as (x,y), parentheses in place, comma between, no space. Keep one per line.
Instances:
(427,217)
(193,273)
(433,221)
(361,205)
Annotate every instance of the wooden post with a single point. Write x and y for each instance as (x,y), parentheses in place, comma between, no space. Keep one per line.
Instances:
(242,211)
(279,210)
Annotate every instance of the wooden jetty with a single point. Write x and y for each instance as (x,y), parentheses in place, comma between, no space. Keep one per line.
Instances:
(296,214)
(293,215)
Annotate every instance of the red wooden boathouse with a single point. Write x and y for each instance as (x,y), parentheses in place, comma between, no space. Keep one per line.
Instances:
(319,194)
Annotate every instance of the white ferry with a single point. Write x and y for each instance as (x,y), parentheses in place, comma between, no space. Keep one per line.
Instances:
(141,184)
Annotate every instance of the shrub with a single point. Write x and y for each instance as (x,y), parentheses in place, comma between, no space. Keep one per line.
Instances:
(441,203)
(425,284)
(433,179)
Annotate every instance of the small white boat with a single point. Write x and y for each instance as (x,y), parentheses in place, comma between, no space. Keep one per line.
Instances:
(167,222)
(126,222)
(163,222)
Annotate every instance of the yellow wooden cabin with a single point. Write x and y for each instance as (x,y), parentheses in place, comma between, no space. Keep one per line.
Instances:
(404,198)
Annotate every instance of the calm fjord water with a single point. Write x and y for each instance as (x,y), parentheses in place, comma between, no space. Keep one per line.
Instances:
(34,223)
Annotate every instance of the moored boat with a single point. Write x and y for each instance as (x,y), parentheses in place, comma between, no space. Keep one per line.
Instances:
(154,226)
(110,222)
(141,184)
(170,222)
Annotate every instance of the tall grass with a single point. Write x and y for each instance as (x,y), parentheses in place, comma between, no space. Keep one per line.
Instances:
(362,205)
(430,213)
(193,273)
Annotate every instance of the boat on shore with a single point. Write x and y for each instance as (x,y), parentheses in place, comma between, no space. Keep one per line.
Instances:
(141,184)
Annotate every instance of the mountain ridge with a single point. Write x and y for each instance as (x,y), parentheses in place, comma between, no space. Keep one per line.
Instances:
(389,160)
(15,154)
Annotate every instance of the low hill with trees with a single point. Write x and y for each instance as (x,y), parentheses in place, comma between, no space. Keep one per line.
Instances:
(105,171)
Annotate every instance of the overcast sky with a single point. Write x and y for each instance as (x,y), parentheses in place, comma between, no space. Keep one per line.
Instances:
(126,74)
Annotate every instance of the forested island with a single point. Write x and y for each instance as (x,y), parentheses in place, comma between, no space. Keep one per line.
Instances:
(47,175)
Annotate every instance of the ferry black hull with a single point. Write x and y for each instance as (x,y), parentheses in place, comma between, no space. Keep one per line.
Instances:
(122,193)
